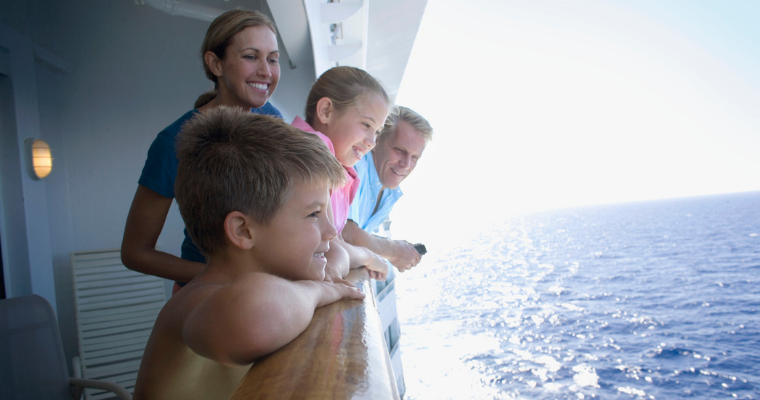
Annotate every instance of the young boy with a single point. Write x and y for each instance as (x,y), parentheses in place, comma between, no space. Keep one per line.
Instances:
(253,192)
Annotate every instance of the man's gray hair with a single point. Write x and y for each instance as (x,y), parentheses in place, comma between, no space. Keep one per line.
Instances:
(401,113)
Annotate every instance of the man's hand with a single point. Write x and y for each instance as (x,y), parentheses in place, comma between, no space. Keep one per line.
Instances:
(400,253)
(405,256)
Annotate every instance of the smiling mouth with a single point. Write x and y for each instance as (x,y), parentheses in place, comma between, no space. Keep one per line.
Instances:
(260,86)
(321,254)
(395,172)
(359,153)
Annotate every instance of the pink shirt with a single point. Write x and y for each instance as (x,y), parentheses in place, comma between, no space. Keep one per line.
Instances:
(341,198)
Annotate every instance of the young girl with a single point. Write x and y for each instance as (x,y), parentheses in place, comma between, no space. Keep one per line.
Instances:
(347,108)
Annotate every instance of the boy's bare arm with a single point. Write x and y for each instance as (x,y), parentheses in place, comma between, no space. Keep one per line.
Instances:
(256,315)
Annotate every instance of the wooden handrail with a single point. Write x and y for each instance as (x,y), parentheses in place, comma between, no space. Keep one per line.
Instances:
(341,355)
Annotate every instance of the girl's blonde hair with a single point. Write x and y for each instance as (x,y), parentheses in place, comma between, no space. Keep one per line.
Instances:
(218,37)
(343,86)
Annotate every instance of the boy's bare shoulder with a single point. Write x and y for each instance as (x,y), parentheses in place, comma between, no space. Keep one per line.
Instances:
(228,323)
(207,299)
(214,287)
(170,369)
(184,301)
(236,295)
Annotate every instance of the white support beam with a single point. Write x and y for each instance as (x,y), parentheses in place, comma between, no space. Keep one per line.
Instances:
(340,52)
(293,28)
(336,12)
(183,9)
(346,44)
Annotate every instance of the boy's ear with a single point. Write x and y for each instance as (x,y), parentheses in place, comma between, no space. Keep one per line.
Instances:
(239,230)
(325,109)
(213,62)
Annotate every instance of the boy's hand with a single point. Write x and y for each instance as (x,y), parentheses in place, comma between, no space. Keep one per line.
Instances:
(377,267)
(332,292)
(339,280)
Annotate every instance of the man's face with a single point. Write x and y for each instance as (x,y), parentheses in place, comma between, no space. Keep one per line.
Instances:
(395,157)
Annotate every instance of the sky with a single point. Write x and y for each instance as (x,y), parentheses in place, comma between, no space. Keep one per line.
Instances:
(544,104)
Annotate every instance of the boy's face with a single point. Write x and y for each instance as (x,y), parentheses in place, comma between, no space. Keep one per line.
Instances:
(293,244)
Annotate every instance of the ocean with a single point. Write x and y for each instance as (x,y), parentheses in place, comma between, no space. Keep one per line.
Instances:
(649,300)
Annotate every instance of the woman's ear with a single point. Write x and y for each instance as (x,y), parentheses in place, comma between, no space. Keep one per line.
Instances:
(325,109)
(213,63)
(239,230)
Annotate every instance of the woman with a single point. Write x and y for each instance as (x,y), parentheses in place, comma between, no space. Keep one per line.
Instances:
(241,57)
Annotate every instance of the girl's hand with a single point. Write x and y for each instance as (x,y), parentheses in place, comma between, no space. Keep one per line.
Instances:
(377,267)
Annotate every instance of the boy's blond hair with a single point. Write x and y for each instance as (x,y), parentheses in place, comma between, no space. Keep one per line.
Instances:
(233,160)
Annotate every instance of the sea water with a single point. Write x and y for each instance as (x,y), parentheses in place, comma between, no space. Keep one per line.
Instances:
(652,300)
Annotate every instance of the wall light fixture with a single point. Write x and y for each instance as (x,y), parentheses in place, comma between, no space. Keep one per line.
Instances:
(40,160)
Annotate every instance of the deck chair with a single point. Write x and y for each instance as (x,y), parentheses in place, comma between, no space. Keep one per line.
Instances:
(32,364)
(115,310)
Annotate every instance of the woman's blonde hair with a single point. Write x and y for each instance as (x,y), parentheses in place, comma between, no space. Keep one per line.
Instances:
(343,86)
(218,37)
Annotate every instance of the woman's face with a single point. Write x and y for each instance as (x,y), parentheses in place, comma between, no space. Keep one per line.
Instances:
(250,70)
(353,131)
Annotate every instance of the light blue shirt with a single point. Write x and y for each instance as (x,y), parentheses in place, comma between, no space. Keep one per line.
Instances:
(366,196)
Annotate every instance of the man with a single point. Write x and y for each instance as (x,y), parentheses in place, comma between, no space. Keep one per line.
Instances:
(399,148)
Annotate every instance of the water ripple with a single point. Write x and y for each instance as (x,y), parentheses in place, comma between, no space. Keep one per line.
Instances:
(652,300)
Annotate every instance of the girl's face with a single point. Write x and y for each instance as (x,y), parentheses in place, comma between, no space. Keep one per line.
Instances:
(353,131)
(250,70)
